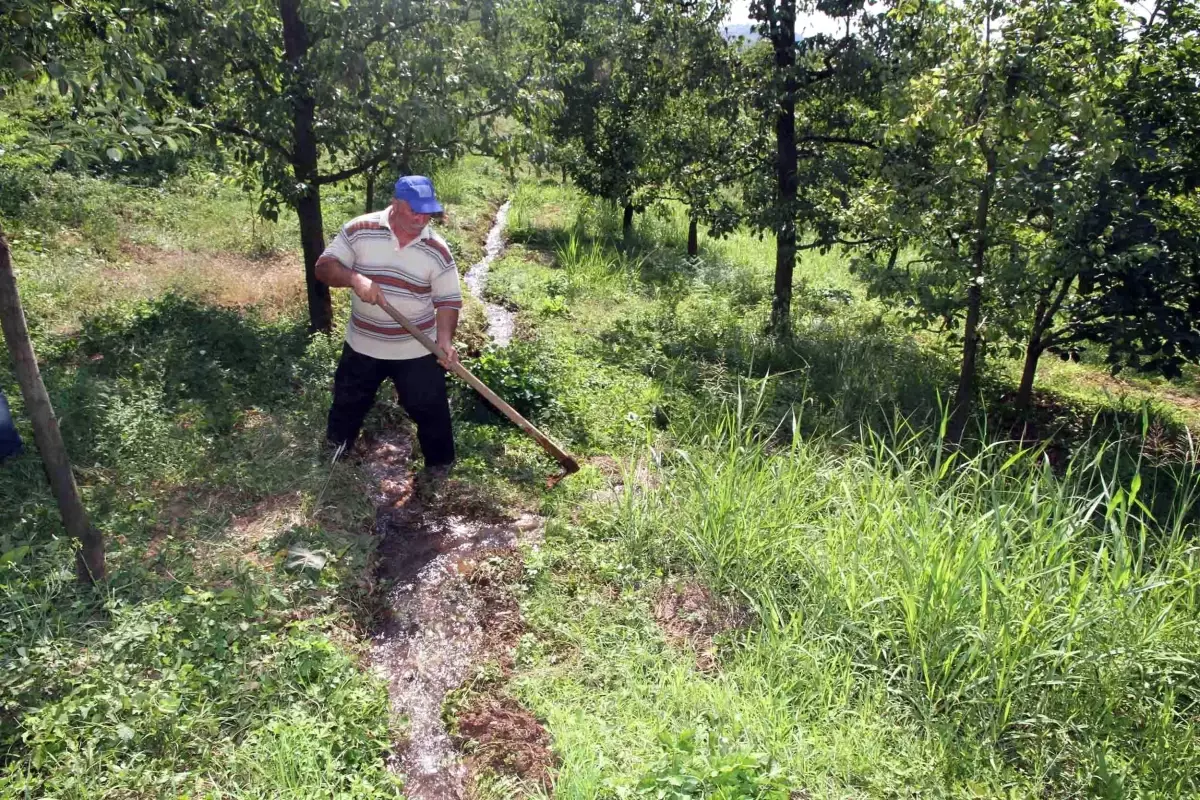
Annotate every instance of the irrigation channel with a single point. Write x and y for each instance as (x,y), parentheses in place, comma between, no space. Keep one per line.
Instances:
(441,620)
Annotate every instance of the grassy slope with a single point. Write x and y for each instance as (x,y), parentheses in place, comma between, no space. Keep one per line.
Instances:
(222,658)
(968,632)
(865,571)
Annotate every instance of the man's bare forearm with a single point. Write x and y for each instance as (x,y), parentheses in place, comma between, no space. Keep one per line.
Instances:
(333,273)
(447,324)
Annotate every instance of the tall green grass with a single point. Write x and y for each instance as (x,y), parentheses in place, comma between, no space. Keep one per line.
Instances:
(993,623)
(1037,622)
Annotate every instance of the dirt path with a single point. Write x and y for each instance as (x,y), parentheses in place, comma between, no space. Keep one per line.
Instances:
(441,619)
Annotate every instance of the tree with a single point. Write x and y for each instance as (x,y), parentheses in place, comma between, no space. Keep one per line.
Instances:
(1011,174)
(311,94)
(603,86)
(696,134)
(1131,273)
(816,98)
(96,56)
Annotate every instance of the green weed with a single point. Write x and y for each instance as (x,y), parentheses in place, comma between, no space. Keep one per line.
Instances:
(996,621)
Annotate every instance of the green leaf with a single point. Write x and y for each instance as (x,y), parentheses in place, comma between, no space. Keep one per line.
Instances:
(15,555)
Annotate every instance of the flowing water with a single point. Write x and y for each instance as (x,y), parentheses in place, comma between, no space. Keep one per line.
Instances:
(500,319)
(438,624)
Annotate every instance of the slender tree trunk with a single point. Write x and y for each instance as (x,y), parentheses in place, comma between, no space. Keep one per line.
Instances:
(564,173)
(89,564)
(487,19)
(783,38)
(966,375)
(627,225)
(304,166)
(693,238)
(370,200)
(1033,353)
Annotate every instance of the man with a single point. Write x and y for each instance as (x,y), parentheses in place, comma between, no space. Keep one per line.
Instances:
(394,254)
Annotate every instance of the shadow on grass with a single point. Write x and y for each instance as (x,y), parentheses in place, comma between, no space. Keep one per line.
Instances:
(847,374)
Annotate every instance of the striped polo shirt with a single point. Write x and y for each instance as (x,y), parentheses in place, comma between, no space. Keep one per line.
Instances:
(416,279)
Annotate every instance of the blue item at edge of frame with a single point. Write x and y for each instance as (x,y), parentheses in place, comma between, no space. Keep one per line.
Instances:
(10,440)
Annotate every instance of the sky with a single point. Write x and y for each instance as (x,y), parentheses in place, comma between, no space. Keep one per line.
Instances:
(809,24)
(806,24)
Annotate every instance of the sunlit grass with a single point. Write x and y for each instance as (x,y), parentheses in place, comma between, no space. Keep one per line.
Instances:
(993,623)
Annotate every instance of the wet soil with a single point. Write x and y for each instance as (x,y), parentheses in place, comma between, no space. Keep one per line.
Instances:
(447,559)
(506,739)
(448,609)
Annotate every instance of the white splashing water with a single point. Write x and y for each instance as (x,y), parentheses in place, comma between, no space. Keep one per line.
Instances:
(500,319)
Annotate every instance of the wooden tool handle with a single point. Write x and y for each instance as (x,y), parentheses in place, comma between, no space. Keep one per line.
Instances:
(569,464)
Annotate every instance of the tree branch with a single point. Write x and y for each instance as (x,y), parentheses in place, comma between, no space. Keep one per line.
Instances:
(1042,324)
(837,240)
(850,140)
(265,141)
(814,76)
(255,69)
(373,161)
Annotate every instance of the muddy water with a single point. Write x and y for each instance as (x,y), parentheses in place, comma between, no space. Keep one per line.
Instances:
(437,624)
(435,634)
(500,319)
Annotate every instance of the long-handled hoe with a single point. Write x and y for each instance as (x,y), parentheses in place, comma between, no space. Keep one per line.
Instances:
(568,463)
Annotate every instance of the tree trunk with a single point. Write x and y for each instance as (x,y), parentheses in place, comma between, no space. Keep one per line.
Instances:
(564,173)
(89,563)
(693,238)
(627,225)
(1043,319)
(966,375)
(1033,352)
(312,240)
(370,201)
(304,166)
(783,38)
(487,19)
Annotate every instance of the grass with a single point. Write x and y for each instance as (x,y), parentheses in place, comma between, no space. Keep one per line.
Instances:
(1000,622)
(222,658)
(994,623)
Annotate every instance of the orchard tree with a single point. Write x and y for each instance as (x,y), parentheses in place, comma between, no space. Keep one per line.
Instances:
(1017,180)
(814,106)
(95,60)
(697,134)
(1136,257)
(604,88)
(313,93)
(648,104)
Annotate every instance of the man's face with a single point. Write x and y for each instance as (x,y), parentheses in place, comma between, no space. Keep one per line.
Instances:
(407,220)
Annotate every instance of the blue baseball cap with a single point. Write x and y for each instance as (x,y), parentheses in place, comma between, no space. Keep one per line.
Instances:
(418,191)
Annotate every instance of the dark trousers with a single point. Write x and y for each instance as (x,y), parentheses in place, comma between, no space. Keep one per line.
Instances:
(420,387)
